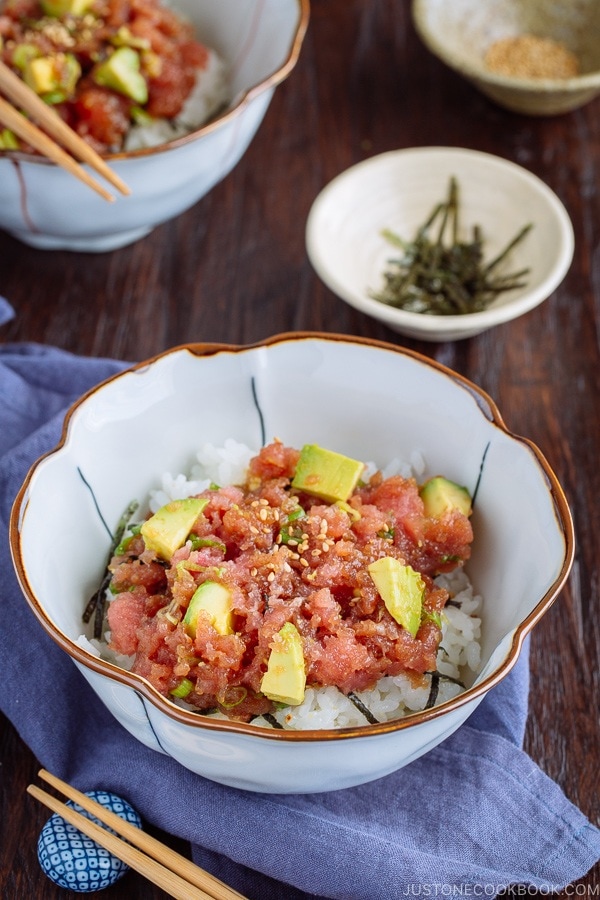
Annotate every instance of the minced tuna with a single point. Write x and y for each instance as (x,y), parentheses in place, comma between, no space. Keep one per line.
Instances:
(285,556)
(66,58)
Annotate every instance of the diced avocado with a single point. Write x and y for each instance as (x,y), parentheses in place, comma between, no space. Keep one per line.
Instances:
(439,495)
(325,474)
(8,140)
(47,75)
(124,37)
(121,73)
(401,589)
(285,678)
(212,598)
(59,8)
(167,530)
(23,53)
(39,73)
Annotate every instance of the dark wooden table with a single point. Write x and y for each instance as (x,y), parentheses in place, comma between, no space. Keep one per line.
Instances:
(234,269)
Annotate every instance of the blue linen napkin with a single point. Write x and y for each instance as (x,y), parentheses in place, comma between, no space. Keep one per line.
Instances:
(473,816)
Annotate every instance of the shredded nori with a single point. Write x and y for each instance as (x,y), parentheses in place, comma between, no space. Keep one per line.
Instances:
(445,279)
(433,691)
(436,678)
(97,603)
(371,719)
(270,718)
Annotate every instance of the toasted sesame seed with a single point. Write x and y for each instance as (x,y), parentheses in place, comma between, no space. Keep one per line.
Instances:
(263,514)
(263,502)
(303,562)
(271,576)
(254,572)
(292,543)
(326,546)
(276,514)
(279,539)
(254,529)
(316,552)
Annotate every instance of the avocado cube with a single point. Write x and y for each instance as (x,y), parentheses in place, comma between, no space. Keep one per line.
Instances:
(401,589)
(212,598)
(167,530)
(121,73)
(439,495)
(47,74)
(325,474)
(8,140)
(59,8)
(40,74)
(285,678)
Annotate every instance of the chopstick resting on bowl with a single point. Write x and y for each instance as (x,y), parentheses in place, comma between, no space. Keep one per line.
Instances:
(161,865)
(27,100)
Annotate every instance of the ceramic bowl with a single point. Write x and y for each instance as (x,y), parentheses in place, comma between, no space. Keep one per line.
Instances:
(397,190)
(461,32)
(369,399)
(47,208)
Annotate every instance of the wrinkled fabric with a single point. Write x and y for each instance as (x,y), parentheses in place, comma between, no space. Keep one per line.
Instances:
(6,311)
(472,816)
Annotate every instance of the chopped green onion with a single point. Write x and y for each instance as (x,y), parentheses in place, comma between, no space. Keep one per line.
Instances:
(184,688)
(198,542)
(235,696)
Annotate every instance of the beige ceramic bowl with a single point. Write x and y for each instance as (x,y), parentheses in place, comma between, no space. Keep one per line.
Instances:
(460,33)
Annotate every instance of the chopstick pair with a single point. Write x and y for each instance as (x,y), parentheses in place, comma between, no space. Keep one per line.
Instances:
(27,100)
(161,865)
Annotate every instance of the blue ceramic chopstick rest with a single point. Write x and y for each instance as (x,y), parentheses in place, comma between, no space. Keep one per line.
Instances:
(76,862)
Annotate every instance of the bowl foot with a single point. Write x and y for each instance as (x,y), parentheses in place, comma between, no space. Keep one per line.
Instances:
(91,244)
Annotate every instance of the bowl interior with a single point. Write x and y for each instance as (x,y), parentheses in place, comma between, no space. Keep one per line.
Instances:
(397,190)
(256,40)
(463,30)
(369,400)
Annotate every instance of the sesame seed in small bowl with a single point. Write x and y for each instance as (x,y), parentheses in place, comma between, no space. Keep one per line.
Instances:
(536,57)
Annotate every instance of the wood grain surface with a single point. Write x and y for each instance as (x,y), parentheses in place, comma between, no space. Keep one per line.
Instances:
(234,268)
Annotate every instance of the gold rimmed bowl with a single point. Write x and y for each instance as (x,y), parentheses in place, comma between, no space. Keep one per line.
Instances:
(366,399)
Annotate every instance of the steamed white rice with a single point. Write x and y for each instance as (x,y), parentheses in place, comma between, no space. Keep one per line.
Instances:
(458,656)
(211,91)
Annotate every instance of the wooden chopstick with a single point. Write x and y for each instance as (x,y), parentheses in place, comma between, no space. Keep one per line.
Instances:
(172,872)
(26,130)
(26,99)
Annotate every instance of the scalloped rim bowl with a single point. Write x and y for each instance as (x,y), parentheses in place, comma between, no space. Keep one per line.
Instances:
(369,399)
(398,190)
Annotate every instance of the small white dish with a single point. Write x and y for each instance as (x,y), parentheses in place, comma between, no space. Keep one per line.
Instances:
(397,190)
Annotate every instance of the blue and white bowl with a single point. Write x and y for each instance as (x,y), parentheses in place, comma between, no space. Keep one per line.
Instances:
(370,400)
